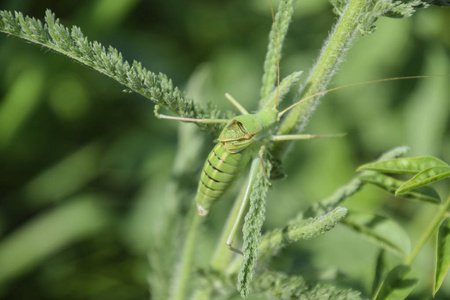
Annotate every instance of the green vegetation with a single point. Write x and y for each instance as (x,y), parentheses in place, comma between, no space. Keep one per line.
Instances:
(97,193)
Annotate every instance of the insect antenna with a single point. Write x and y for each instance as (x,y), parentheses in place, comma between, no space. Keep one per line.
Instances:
(355,84)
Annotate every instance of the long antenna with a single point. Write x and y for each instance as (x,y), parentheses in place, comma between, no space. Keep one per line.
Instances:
(355,84)
(276,49)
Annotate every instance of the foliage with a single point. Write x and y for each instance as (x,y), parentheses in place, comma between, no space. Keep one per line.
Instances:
(148,209)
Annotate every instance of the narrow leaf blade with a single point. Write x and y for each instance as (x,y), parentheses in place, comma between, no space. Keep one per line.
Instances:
(391,185)
(425,177)
(383,232)
(442,254)
(380,269)
(396,286)
(409,165)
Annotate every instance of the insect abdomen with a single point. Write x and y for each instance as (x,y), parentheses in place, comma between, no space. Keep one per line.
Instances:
(219,172)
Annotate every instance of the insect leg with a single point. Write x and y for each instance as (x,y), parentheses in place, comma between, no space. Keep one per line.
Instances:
(160,116)
(261,152)
(291,137)
(236,104)
(242,209)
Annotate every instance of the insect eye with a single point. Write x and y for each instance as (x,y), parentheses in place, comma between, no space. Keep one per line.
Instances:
(241,126)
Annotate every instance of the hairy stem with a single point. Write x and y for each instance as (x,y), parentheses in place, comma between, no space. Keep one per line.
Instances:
(332,54)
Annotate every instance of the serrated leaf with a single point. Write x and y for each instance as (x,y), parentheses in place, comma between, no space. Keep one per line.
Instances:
(425,177)
(409,165)
(381,231)
(442,254)
(391,185)
(396,286)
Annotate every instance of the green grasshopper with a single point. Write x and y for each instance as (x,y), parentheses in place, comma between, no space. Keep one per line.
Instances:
(242,138)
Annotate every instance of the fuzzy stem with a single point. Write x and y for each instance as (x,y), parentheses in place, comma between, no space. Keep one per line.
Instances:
(332,54)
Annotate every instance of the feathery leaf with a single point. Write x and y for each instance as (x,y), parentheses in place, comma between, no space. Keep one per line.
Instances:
(71,42)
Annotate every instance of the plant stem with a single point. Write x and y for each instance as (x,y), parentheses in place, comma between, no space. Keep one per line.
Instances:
(429,232)
(332,54)
(183,272)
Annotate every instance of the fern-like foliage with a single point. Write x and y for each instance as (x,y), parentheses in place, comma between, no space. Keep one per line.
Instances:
(252,229)
(276,40)
(299,230)
(109,61)
(277,285)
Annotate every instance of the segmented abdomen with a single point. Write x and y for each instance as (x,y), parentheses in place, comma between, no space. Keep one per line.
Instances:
(219,172)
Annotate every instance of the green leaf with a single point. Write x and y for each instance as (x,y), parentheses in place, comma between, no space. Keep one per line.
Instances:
(391,185)
(380,269)
(280,286)
(274,51)
(442,254)
(439,2)
(252,229)
(309,228)
(396,286)
(381,231)
(285,86)
(338,6)
(425,177)
(409,165)
(108,61)
(401,9)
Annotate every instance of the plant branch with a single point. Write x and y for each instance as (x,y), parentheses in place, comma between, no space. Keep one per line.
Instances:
(434,224)
(183,272)
(331,56)
(274,51)
(72,43)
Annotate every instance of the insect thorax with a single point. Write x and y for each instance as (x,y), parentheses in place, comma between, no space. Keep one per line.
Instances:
(242,131)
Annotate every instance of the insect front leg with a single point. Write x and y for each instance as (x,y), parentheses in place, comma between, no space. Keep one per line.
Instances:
(160,116)
(292,137)
(236,104)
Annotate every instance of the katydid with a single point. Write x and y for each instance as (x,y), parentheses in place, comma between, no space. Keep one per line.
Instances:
(241,139)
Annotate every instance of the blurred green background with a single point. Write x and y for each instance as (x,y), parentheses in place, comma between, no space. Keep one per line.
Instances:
(84,167)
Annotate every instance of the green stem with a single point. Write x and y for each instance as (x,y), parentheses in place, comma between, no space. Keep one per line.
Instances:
(332,54)
(429,232)
(183,272)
